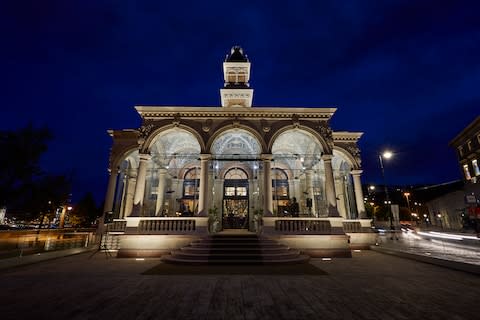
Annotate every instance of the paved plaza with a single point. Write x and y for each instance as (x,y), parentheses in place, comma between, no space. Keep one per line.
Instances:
(370,285)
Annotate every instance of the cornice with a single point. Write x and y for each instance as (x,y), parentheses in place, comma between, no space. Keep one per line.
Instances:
(467,133)
(346,136)
(123,134)
(155,112)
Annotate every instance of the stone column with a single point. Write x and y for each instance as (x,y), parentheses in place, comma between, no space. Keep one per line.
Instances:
(341,192)
(203,197)
(309,183)
(267,185)
(330,186)
(112,185)
(129,196)
(121,213)
(140,186)
(162,183)
(357,184)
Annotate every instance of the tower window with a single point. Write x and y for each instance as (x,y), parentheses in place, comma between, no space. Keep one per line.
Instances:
(476,170)
(467,172)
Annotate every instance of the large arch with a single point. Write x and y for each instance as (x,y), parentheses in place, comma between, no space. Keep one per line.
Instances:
(241,130)
(347,156)
(325,147)
(299,153)
(154,136)
(343,164)
(235,148)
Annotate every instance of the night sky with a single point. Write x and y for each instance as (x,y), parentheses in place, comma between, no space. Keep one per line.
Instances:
(406,73)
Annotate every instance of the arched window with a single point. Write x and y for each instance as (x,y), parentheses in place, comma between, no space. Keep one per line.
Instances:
(236,184)
(280,192)
(231,77)
(235,174)
(191,183)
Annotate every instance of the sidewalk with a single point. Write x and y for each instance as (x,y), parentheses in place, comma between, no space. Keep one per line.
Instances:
(39,257)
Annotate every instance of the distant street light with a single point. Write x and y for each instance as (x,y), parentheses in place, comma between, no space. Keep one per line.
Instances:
(407,194)
(386,155)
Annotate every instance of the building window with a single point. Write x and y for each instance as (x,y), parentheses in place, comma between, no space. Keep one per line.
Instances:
(467,172)
(230,191)
(478,138)
(460,151)
(469,145)
(476,170)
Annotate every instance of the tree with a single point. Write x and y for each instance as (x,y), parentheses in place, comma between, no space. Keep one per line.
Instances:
(85,212)
(24,187)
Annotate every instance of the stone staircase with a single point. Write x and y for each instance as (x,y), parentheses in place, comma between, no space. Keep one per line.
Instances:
(235,249)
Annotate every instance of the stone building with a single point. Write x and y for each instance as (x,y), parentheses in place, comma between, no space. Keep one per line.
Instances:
(235,163)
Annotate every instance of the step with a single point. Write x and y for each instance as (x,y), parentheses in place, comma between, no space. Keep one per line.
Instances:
(228,240)
(298,259)
(234,244)
(230,250)
(245,256)
(235,249)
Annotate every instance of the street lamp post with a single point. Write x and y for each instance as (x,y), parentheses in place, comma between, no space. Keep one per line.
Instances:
(387,155)
(407,195)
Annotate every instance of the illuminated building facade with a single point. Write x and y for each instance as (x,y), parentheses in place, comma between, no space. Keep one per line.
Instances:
(467,146)
(235,160)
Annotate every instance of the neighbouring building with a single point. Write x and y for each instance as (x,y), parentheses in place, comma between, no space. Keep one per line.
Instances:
(467,147)
(459,208)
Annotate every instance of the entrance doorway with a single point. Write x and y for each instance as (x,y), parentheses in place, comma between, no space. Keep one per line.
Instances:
(235,200)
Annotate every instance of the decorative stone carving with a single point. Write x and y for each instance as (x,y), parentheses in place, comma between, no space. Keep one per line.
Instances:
(265,126)
(236,122)
(145,130)
(207,125)
(176,120)
(352,149)
(325,129)
(296,121)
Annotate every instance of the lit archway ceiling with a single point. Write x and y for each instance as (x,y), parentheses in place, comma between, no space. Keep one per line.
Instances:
(341,162)
(175,144)
(297,149)
(236,141)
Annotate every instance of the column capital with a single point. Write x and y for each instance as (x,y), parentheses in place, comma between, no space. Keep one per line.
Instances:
(162,170)
(144,156)
(356,172)
(327,157)
(266,156)
(205,156)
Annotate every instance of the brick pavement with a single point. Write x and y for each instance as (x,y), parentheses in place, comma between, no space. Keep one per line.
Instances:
(368,286)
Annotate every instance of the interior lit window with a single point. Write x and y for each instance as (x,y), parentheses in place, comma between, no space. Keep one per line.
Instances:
(476,170)
(467,172)
(241,191)
(230,191)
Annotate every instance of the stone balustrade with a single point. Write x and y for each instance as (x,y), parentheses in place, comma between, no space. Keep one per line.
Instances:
(117,226)
(302,226)
(352,226)
(166,226)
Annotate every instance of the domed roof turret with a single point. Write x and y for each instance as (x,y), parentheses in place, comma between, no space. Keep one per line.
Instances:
(236,55)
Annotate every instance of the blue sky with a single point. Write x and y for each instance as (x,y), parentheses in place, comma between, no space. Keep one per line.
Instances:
(405,73)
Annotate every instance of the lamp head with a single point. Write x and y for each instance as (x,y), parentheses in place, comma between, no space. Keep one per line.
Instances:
(387,154)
